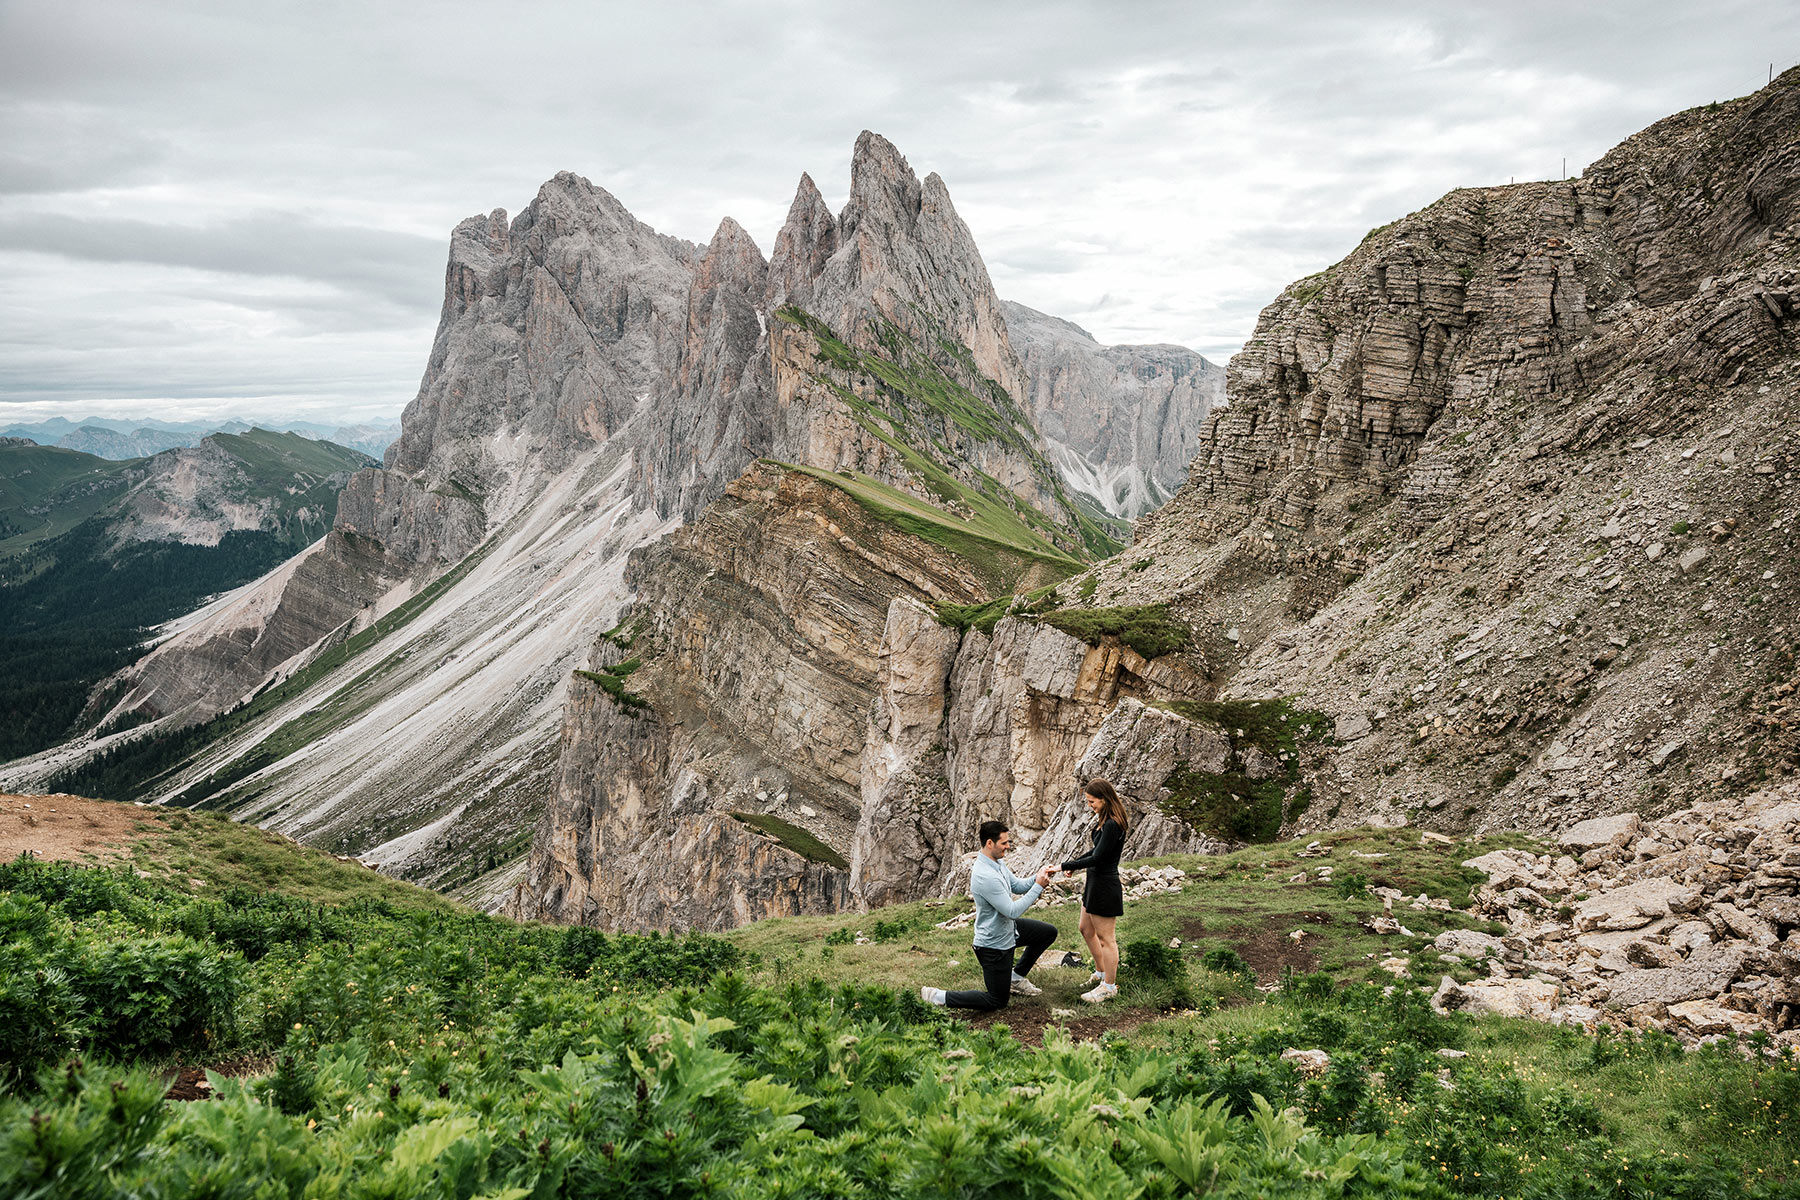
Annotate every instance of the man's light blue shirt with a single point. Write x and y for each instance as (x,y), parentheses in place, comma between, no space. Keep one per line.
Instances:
(996,909)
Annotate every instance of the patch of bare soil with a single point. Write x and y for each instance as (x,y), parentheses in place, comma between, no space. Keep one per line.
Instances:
(1027,1019)
(1270,947)
(68,828)
(190,1083)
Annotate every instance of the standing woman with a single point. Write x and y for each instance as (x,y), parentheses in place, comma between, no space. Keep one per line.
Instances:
(1103,896)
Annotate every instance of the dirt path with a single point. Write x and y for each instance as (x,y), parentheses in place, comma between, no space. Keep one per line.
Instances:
(69,828)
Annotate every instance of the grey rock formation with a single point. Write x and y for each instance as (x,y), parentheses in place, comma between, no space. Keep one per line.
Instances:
(899,833)
(1658,915)
(1006,726)
(704,869)
(1122,423)
(1432,498)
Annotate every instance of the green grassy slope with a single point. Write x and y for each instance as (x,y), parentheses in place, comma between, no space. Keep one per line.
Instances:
(1000,547)
(46,491)
(371,1045)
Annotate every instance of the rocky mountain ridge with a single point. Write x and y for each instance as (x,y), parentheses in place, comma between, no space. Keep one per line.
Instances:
(121,439)
(1500,500)
(592,384)
(1122,423)
(1507,492)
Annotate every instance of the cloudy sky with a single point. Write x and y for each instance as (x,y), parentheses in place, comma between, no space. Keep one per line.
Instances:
(243,208)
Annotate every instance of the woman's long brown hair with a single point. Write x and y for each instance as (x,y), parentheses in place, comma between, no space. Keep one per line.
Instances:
(1115,807)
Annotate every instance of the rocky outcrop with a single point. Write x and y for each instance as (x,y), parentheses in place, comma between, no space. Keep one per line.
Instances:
(1685,923)
(997,726)
(1122,423)
(411,523)
(1137,749)
(754,636)
(904,256)
(1499,489)
(620,783)
(277,483)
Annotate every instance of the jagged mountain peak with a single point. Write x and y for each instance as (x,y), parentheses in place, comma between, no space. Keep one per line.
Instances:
(807,240)
(905,256)
(883,187)
(731,250)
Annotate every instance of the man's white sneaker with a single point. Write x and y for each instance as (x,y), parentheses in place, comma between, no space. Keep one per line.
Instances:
(931,995)
(1022,986)
(1101,994)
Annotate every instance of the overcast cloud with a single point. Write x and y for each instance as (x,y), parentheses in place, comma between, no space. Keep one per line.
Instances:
(244,208)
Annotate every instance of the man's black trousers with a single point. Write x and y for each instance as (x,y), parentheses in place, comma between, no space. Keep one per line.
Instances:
(997,966)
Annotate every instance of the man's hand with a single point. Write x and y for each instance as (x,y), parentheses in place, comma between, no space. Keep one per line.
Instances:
(1043,876)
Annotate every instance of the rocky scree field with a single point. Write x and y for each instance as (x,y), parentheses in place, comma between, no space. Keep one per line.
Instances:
(1509,493)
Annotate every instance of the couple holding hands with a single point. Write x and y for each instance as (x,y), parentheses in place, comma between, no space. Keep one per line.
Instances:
(1001,899)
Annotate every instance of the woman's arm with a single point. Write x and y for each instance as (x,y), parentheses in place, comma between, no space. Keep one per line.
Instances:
(1107,850)
(1093,857)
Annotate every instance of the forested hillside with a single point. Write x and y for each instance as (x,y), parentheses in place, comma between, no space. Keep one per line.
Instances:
(96,553)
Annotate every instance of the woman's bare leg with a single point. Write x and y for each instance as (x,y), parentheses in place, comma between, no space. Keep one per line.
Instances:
(1106,953)
(1093,945)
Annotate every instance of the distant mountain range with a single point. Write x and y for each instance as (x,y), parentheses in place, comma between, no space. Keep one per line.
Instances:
(120,438)
(94,553)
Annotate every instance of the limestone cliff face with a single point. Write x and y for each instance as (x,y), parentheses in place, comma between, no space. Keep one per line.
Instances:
(1122,423)
(754,632)
(620,782)
(1507,490)
(555,330)
(971,727)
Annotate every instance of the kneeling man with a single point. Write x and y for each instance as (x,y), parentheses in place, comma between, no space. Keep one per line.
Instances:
(1000,899)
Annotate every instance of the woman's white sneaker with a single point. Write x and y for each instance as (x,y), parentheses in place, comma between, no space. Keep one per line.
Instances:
(931,995)
(1101,994)
(1096,977)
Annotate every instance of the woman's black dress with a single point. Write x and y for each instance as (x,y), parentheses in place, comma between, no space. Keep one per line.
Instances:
(1103,895)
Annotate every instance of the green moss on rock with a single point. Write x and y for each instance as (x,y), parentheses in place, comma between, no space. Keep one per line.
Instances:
(1229,804)
(1147,628)
(794,838)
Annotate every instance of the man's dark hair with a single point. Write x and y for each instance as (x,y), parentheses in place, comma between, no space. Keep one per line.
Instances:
(990,830)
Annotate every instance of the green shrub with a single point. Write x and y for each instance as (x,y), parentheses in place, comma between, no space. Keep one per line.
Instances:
(155,994)
(1149,629)
(1230,804)
(1226,961)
